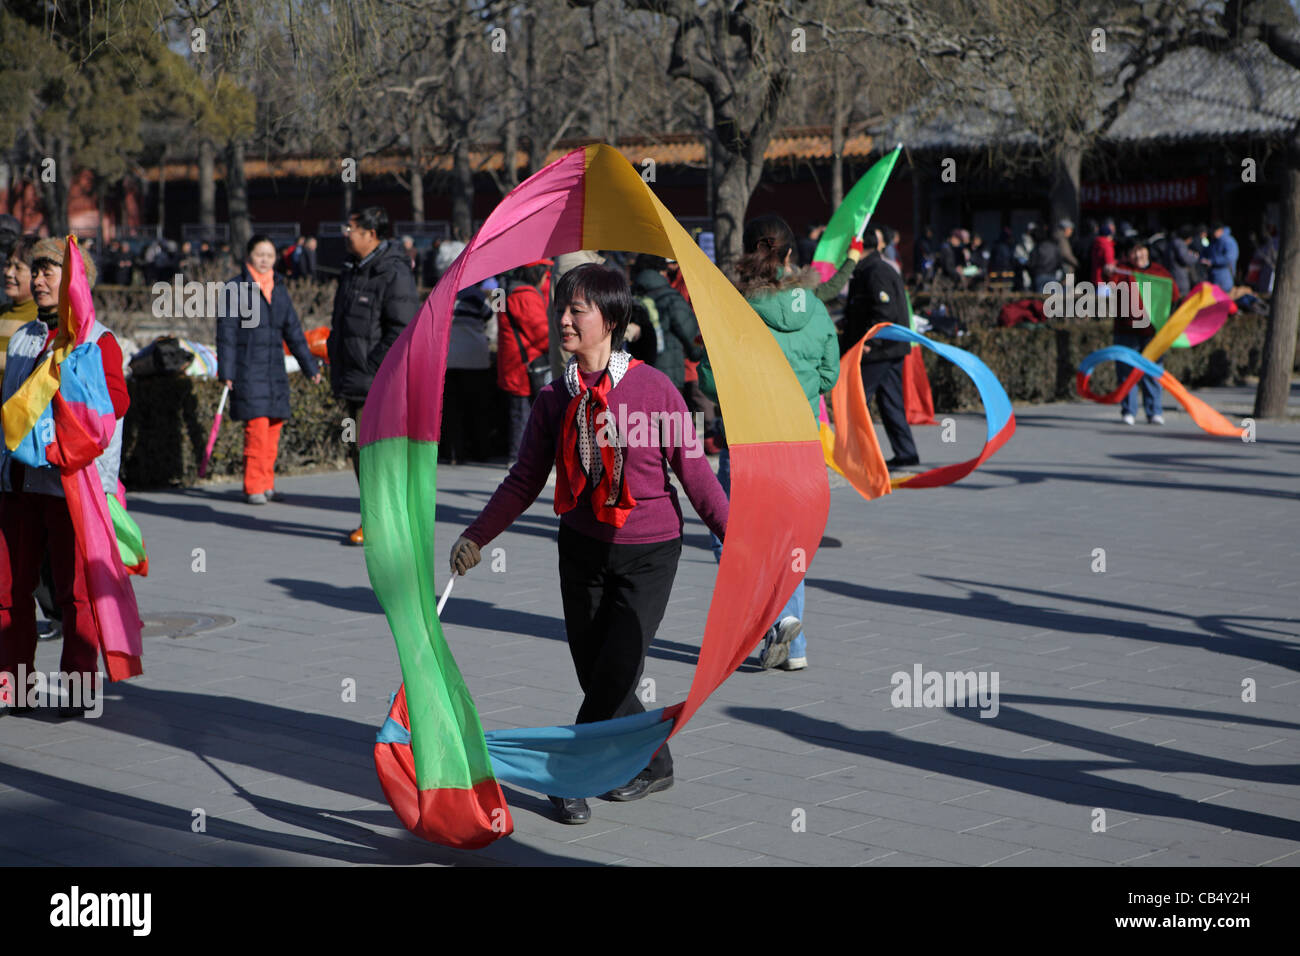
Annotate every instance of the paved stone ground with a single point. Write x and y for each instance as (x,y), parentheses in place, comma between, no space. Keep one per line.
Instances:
(1119,691)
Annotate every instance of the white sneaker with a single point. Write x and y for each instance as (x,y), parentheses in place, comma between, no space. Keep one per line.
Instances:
(776,647)
(795,664)
(1129,420)
(1156,419)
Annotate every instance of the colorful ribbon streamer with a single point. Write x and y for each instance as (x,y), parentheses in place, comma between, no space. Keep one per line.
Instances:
(855,451)
(438,769)
(1204,311)
(850,219)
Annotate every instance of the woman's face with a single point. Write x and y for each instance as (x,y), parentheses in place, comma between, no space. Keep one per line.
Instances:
(581,325)
(262,258)
(18,280)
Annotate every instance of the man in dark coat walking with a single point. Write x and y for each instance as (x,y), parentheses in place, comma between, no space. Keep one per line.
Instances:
(376,297)
(876,294)
(678,330)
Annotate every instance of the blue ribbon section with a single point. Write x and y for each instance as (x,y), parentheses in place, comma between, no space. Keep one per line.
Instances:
(1122,354)
(997,407)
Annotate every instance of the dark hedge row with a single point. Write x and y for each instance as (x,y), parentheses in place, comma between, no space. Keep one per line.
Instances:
(1037,363)
(168,424)
(169,421)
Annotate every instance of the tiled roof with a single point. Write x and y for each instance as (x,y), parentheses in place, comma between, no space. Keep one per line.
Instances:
(675,149)
(1194,95)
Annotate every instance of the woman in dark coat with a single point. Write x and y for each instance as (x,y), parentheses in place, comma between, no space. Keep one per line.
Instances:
(257,315)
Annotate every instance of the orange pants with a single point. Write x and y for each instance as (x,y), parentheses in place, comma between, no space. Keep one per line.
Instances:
(261,445)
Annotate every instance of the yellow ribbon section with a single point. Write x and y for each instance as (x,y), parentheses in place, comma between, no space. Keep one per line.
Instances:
(620,212)
(1178,322)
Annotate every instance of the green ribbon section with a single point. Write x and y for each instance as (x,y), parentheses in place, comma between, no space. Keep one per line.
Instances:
(399,480)
(1158,297)
(856,209)
(130,543)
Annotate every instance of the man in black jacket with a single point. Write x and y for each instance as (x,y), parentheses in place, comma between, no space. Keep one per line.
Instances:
(678,329)
(876,294)
(376,297)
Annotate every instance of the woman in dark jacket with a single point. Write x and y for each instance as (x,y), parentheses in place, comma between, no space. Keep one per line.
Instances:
(256,317)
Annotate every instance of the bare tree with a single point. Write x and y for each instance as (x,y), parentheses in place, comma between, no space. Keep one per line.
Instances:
(1277,25)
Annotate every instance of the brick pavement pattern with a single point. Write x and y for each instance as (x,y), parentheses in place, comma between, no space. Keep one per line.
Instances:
(1120,691)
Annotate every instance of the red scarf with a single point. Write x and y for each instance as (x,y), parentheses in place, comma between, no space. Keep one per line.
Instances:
(611,500)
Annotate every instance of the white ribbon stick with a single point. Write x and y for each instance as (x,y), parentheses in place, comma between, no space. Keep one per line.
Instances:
(446,593)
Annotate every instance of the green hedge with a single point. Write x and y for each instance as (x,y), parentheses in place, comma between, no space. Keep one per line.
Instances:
(167,427)
(168,424)
(1037,363)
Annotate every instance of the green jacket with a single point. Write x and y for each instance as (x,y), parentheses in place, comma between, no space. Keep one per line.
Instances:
(803,328)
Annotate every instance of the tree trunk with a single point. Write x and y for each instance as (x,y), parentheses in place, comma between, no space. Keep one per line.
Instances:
(1279,341)
(237,199)
(1066,181)
(462,176)
(839,120)
(162,194)
(462,189)
(55,194)
(417,191)
(349,182)
(99,217)
(208,186)
(734,187)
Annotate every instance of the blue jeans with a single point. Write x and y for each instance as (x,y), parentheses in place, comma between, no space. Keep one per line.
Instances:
(1152,393)
(794,606)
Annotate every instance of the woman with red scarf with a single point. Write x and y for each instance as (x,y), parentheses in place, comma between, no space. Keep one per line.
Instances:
(620,521)
(250,361)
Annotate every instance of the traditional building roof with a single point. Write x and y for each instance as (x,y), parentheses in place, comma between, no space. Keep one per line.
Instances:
(1195,94)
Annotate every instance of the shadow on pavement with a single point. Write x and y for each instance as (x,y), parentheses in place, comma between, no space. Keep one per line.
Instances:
(341,840)
(1069,781)
(985,605)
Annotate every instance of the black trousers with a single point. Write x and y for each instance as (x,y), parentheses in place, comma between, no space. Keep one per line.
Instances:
(614,597)
(466,401)
(885,381)
(354,449)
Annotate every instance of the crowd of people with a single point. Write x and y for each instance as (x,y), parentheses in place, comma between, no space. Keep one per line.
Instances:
(964,261)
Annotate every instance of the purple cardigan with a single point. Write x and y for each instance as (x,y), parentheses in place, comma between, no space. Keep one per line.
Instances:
(647,455)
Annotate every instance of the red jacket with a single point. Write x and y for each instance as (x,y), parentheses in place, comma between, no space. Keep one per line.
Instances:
(526,313)
(1103,254)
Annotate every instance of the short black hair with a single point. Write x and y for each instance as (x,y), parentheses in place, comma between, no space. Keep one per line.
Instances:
(256,240)
(646,261)
(606,289)
(373,218)
(22,247)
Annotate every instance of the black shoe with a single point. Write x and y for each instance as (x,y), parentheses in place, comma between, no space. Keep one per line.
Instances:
(48,630)
(572,812)
(897,462)
(642,785)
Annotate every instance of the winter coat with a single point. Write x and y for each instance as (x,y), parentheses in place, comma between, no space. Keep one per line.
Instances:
(1223,260)
(1045,259)
(468,346)
(876,294)
(526,314)
(253,357)
(676,322)
(1179,260)
(1102,255)
(375,300)
(802,328)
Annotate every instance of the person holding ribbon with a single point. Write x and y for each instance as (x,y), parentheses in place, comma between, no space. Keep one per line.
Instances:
(620,534)
(64,397)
